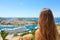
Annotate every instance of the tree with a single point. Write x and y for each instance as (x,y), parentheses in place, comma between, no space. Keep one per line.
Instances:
(3,34)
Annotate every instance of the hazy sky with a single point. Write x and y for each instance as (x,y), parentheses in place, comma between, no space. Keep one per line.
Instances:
(27,8)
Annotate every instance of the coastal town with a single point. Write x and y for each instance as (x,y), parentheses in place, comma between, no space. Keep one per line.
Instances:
(17,21)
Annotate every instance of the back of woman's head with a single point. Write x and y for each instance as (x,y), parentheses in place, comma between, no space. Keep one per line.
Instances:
(47,25)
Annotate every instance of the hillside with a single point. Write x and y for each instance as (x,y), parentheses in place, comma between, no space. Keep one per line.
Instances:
(17,21)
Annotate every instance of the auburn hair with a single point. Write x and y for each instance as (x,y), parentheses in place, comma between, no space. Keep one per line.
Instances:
(47,25)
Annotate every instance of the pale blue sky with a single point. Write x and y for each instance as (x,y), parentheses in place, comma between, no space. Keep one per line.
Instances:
(27,8)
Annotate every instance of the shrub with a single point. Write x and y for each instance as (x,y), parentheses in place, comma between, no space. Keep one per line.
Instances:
(3,34)
(24,33)
(15,34)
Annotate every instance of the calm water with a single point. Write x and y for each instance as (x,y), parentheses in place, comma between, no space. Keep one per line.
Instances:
(29,27)
(9,27)
(57,20)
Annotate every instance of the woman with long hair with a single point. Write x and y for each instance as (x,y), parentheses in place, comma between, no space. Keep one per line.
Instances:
(46,26)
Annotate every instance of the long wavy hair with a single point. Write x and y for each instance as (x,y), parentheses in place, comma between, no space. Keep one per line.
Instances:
(47,25)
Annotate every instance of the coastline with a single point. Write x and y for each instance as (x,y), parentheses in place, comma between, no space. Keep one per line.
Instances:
(19,30)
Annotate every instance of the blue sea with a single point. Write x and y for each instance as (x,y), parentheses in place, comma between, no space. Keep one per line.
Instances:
(29,27)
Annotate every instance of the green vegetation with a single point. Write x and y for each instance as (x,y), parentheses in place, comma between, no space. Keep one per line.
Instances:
(24,33)
(3,34)
(15,34)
